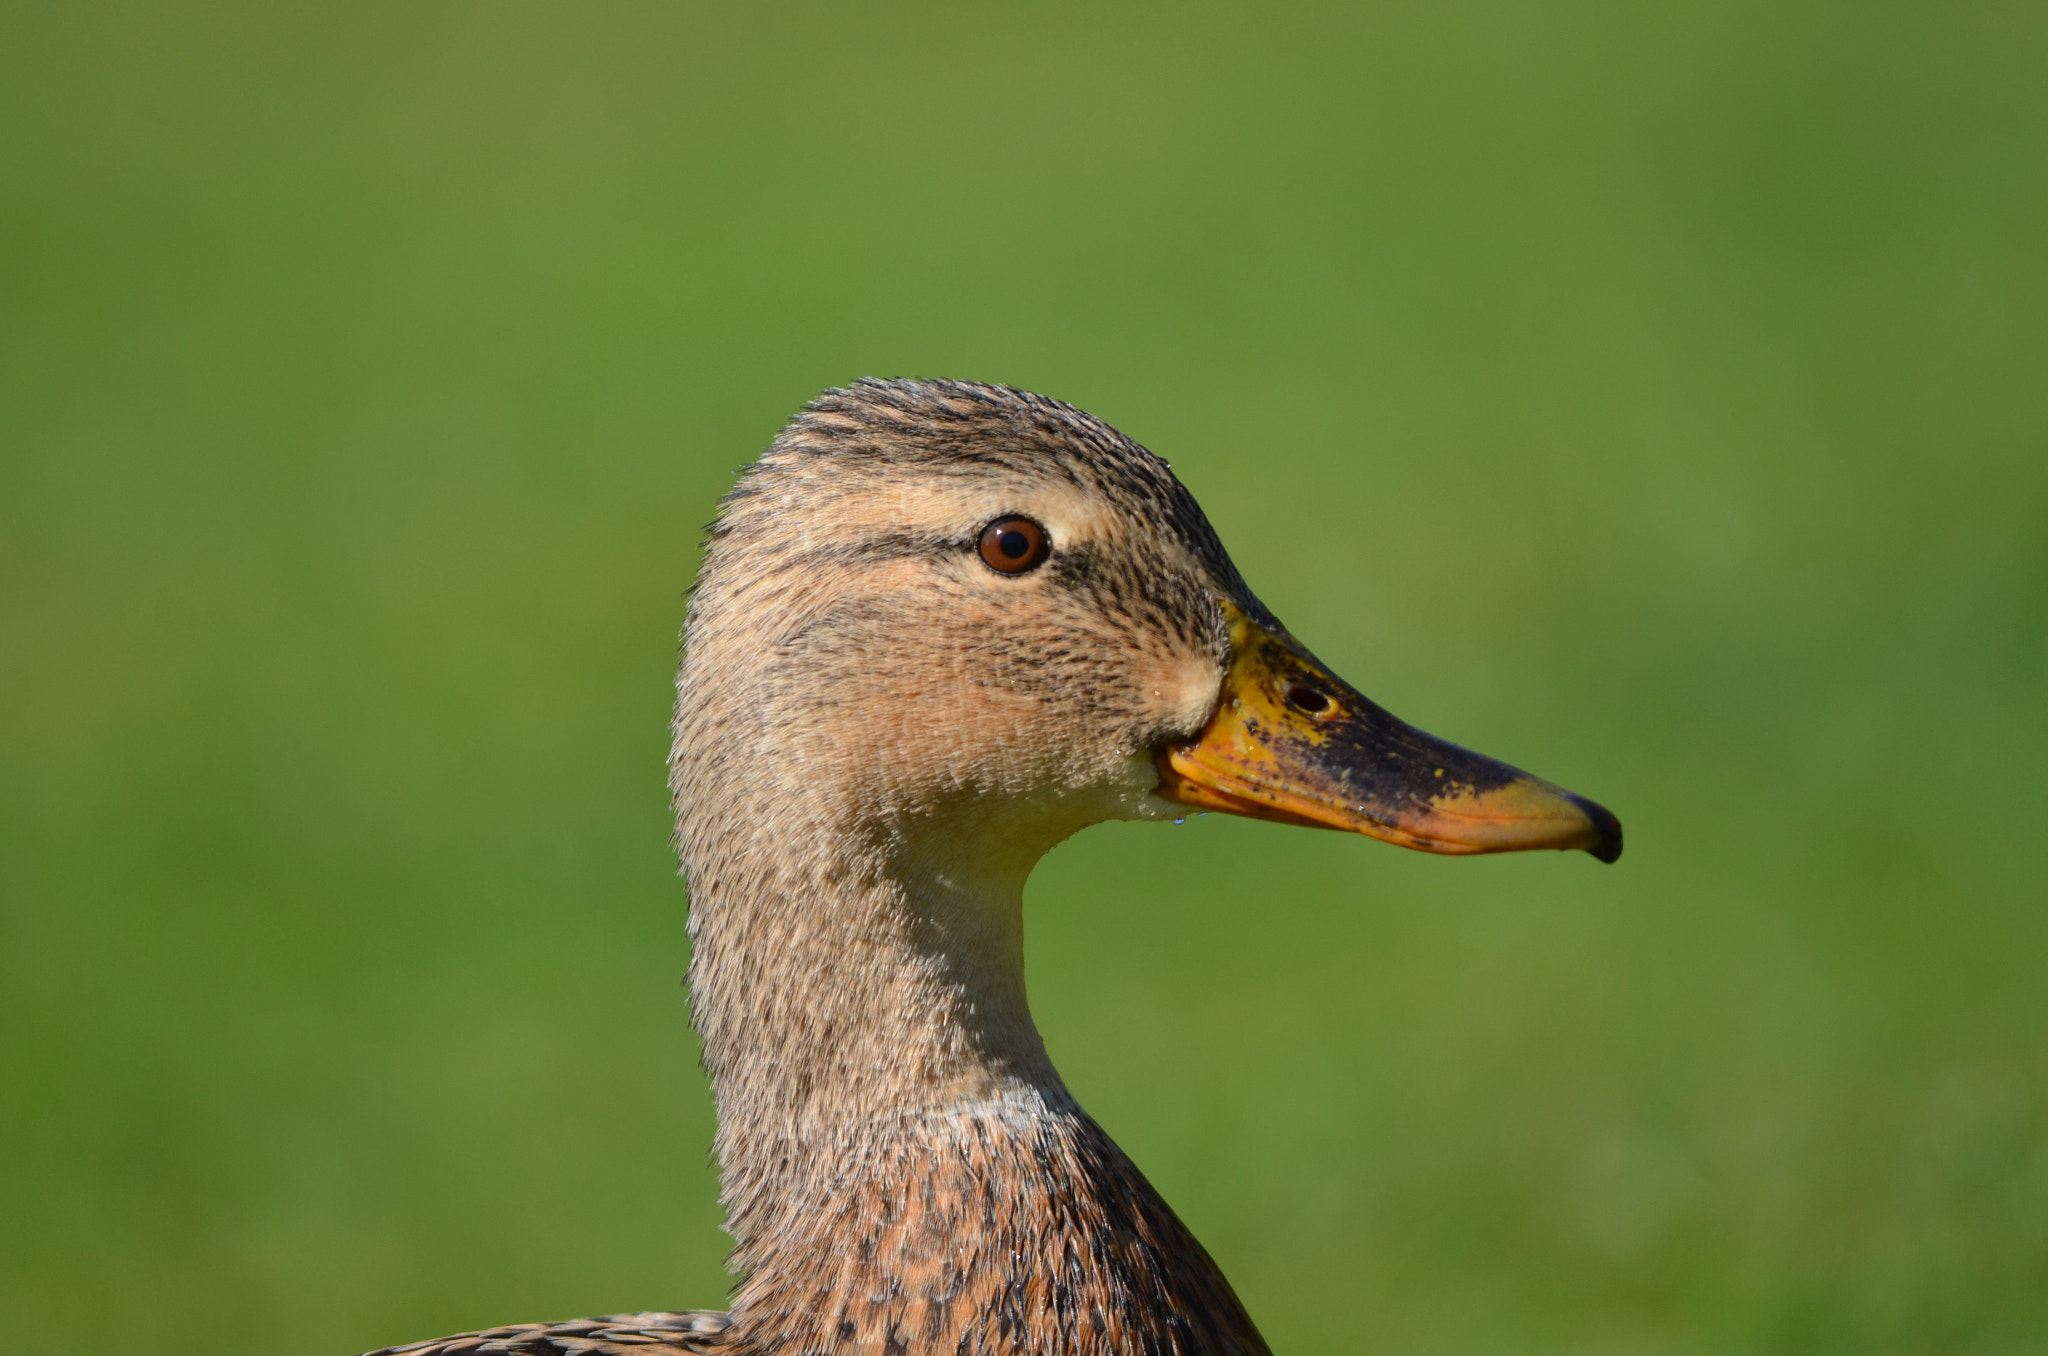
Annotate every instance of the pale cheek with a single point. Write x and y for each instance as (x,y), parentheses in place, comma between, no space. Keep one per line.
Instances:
(980,738)
(1181,692)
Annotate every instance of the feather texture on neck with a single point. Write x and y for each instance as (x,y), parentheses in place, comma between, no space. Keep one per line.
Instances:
(876,739)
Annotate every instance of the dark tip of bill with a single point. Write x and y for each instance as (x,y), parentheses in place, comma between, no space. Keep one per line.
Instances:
(1608,849)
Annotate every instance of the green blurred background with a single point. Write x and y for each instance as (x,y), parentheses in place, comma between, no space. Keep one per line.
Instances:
(1653,396)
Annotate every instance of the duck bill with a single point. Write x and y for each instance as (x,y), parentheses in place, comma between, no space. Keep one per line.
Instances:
(1291,741)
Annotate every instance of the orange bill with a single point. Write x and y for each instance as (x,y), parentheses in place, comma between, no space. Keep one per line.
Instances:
(1293,742)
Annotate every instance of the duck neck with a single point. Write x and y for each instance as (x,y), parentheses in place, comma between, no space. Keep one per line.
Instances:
(902,1168)
(844,979)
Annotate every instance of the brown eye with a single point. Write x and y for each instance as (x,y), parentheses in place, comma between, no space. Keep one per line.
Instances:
(1014,545)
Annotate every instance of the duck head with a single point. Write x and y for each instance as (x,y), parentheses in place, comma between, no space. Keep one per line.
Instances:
(985,619)
(939,627)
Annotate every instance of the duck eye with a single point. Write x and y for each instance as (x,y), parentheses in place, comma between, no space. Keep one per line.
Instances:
(1014,545)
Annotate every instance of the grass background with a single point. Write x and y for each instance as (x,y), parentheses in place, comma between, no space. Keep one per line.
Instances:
(1650,396)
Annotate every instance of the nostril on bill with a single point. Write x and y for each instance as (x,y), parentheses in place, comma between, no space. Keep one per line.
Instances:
(1311,701)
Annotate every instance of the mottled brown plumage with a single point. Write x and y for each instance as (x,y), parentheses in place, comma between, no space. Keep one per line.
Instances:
(877,735)
(650,1334)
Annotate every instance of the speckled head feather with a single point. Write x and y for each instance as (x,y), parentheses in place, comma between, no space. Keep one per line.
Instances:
(895,697)
(877,736)
(864,512)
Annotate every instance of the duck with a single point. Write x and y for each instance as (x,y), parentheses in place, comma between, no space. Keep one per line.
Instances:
(939,627)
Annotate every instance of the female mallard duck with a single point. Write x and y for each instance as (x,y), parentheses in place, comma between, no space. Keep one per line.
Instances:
(941,626)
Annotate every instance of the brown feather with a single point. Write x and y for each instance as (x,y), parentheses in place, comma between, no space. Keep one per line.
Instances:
(650,1334)
(876,737)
